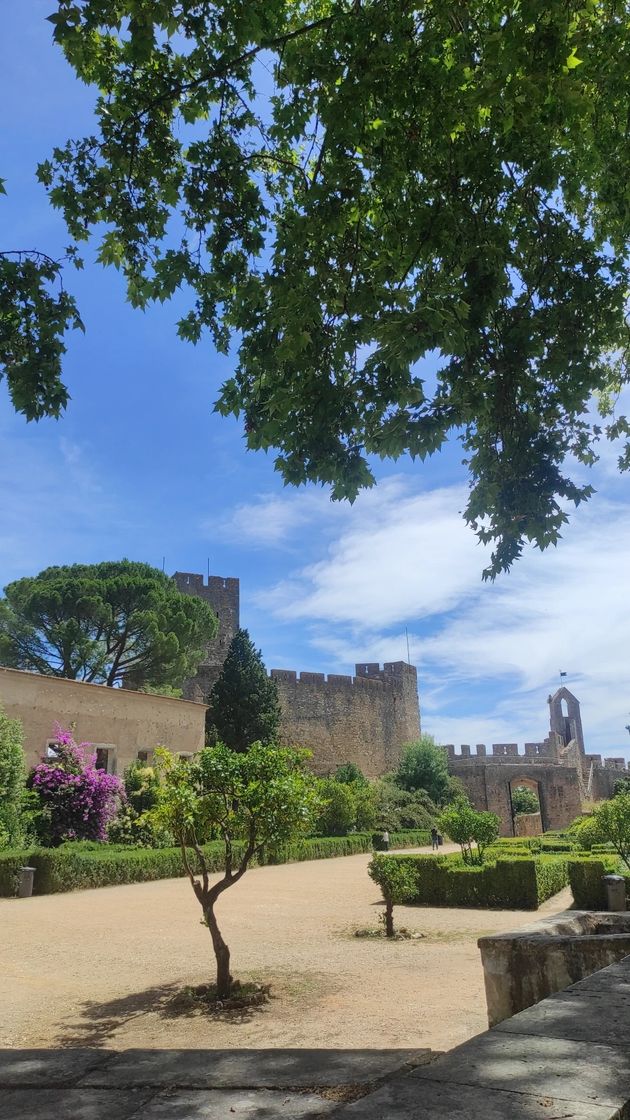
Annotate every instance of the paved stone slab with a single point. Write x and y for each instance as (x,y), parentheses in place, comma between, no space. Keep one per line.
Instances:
(588,1015)
(615,978)
(552,1067)
(30,1068)
(248,1104)
(410,1098)
(71,1104)
(250,1069)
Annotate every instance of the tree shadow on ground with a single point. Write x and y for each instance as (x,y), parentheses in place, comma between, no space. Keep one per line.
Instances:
(100,1020)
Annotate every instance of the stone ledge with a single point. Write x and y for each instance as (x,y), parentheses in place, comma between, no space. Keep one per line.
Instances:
(569,1057)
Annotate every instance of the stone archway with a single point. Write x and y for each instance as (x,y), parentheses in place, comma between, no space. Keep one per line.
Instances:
(526,824)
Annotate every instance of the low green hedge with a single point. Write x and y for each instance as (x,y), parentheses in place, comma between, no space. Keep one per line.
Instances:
(79,866)
(549,842)
(585,879)
(510,883)
(10,863)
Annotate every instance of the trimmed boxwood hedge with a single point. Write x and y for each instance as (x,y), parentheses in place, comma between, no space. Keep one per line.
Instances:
(79,866)
(511,883)
(585,878)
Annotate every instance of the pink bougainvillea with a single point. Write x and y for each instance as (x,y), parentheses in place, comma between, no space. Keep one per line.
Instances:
(77,799)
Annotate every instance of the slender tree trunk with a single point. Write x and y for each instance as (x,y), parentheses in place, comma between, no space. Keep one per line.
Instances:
(389,917)
(222,954)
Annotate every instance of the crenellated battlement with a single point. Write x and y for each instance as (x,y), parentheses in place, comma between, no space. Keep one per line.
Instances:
(366,674)
(549,751)
(195,584)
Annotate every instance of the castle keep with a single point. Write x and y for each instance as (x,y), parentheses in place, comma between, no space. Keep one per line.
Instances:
(365,719)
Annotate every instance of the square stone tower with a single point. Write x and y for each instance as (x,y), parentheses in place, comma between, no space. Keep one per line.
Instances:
(223,595)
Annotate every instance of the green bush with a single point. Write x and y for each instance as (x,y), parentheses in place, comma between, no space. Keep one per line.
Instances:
(466,826)
(585,880)
(82,864)
(514,883)
(398,809)
(10,863)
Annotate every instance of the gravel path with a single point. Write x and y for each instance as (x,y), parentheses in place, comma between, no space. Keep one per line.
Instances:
(102,967)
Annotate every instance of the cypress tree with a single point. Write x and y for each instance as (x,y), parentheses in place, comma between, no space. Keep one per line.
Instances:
(244,705)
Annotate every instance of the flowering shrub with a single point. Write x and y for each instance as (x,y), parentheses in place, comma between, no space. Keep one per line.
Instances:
(77,801)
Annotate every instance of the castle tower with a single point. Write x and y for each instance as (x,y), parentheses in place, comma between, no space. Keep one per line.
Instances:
(223,596)
(565,718)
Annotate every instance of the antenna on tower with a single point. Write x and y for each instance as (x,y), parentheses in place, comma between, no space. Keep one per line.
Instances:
(407,637)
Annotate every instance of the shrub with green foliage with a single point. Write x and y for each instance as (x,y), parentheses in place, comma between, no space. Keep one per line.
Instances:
(81,864)
(399,809)
(346,806)
(12,774)
(524,800)
(424,766)
(513,883)
(465,826)
(132,826)
(586,876)
(337,814)
(397,882)
(612,825)
(350,774)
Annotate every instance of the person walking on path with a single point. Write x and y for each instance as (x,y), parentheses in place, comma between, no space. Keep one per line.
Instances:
(386,841)
(435,839)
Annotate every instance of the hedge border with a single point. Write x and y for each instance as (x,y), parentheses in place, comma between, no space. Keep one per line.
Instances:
(64,869)
(506,883)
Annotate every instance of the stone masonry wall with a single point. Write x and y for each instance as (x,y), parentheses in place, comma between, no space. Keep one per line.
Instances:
(365,719)
(487,784)
(118,719)
(223,596)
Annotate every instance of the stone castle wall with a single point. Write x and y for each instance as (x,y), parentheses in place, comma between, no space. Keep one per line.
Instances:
(559,776)
(365,719)
(223,595)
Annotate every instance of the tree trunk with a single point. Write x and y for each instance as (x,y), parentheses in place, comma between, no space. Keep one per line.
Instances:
(222,954)
(389,917)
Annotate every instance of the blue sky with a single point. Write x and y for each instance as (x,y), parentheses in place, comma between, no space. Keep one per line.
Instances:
(140,467)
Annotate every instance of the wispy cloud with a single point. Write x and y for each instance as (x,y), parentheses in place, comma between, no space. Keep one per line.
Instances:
(406,559)
(273,521)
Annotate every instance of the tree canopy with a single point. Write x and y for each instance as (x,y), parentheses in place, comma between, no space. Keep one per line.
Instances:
(244,705)
(524,800)
(354,193)
(424,766)
(104,623)
(35,313)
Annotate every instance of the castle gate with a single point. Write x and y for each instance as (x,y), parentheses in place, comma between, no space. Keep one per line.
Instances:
(488,782)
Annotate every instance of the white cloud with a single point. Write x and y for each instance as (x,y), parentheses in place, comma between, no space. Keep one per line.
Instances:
(399,556)
(272,521)
(407,559)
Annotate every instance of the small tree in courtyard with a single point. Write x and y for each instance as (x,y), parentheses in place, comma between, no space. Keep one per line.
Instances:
(465,826)
(11,780)
(397,880)
(244,705)
(253,800)
(611,821)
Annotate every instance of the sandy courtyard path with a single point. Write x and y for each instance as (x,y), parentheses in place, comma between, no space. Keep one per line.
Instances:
(101,967)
